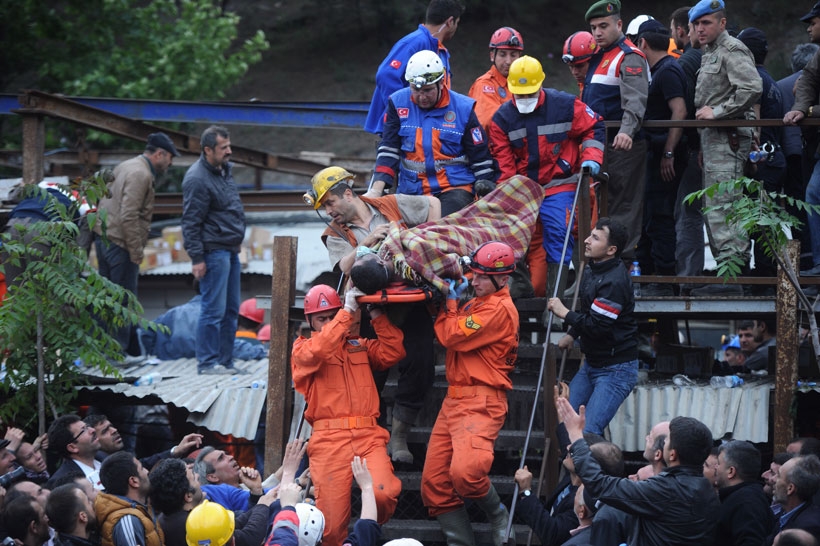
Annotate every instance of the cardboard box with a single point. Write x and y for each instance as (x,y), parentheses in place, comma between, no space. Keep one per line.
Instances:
(173,236)
(258,240)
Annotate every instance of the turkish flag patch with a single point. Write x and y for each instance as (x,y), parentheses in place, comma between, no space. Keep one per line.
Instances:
(403,112)
(395,63)
(634,70)
(489,89)
(477,134)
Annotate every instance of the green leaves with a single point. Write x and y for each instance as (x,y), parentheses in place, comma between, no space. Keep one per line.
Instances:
(755,213)
(69,299)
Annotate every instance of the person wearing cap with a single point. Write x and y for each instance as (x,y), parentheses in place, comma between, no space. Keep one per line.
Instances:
(546,135)
(213,228)
(812,18)
(440,25)
(728,87)
(432,142)
(733,359)
(616,88)
(578,49)
(666,158)
(481,339)
(333,370)
(129,207)
(361,221)
(490,90)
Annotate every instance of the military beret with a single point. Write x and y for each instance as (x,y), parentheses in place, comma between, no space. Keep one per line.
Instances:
(603,8)
(815,12)
(705,7)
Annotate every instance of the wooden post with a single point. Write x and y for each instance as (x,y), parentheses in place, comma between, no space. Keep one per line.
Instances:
(787,352)
(280,391)
(34,142)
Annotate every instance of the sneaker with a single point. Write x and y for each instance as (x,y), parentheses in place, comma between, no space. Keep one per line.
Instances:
(813,272)
(711,290)
(656,290)
(216,369)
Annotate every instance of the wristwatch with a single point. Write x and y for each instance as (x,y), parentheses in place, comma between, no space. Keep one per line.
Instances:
(811,111)
(527,493)
(668,155)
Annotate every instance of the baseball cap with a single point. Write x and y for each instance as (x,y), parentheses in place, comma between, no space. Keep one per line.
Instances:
(815,12)
(161,140)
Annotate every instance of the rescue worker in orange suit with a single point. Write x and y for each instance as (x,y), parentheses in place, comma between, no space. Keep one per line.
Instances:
(547,135)
(578,50)
(332,369)
(432,142)
(490,89)
(481,339)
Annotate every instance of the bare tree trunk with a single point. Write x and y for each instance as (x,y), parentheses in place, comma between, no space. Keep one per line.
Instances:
(41,385)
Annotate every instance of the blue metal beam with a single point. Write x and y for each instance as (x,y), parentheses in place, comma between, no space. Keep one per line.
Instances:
(330,115)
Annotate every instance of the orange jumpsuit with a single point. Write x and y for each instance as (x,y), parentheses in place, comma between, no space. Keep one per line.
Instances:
(333,372)
(481,339)
(489,92)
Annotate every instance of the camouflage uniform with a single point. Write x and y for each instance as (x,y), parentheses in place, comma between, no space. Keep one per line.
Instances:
(728,82)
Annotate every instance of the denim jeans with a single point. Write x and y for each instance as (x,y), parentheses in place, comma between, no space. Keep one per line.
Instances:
(813,198)
(602,390)
(115,265)
(216,329)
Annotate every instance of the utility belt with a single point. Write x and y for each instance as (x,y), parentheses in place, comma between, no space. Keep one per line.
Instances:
(475,390)
(420,167)
(343,423)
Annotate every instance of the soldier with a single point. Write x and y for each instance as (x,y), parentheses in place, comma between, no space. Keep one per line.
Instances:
(728,86)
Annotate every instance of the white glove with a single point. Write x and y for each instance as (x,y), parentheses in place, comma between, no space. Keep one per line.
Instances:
(350,299)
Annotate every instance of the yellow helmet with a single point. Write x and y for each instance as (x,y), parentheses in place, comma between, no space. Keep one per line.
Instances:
(209,524)
(323,181)
(526,76)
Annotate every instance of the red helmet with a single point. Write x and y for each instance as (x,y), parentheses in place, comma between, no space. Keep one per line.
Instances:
(579,48)
(264,333)
(493,258)
(507,38)
(321,298)
(250,311)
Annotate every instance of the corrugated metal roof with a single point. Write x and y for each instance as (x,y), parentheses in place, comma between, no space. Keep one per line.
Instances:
(226,404)
(743,411)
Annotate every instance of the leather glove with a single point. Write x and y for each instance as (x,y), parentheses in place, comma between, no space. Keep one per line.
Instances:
(350,299)
(456,290)
(594,166)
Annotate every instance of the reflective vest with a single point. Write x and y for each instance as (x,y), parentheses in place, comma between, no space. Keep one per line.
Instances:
(602,91)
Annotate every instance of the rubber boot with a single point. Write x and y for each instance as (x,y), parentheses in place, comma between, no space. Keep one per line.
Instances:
(497,515)
(457,528)
(397,446)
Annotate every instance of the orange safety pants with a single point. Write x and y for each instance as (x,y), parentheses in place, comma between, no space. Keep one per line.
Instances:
(330,453)
(460,451)
(537,261)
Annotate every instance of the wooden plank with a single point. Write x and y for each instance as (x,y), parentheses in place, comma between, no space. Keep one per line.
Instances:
(280,392)
(34,142)
(787,349)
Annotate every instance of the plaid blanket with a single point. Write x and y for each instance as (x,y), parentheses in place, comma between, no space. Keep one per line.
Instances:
(429,253)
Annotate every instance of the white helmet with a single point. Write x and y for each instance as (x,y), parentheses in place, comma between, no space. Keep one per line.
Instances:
(424,68)
(635,24)
(311,524)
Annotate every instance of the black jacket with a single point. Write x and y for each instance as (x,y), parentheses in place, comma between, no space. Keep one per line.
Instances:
(676,507)
(550,529)
(605,321)
(807,518)
(745,515)
(212,213)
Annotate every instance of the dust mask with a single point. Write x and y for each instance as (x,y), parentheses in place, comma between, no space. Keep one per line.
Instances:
(526,106)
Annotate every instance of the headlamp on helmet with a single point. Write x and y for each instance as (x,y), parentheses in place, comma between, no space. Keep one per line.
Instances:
(424,68)
(324,181)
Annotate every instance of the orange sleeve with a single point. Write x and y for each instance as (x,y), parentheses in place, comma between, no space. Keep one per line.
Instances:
(388,349)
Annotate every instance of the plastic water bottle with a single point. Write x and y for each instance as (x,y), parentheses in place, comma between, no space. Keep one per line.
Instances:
(148,379)
(635,271)
(726,381)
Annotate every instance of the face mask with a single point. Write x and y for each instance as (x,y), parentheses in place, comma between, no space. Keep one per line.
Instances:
(526,106)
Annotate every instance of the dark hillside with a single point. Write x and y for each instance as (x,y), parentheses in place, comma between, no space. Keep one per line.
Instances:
(329,50)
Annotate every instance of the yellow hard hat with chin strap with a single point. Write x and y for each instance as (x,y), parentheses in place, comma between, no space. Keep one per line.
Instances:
(209,524)
(323,181)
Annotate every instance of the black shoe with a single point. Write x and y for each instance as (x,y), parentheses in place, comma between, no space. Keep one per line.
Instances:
(813,272)
(711,290)
(657,290)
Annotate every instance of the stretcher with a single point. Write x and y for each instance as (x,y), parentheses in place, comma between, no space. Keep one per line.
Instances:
(398,292)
